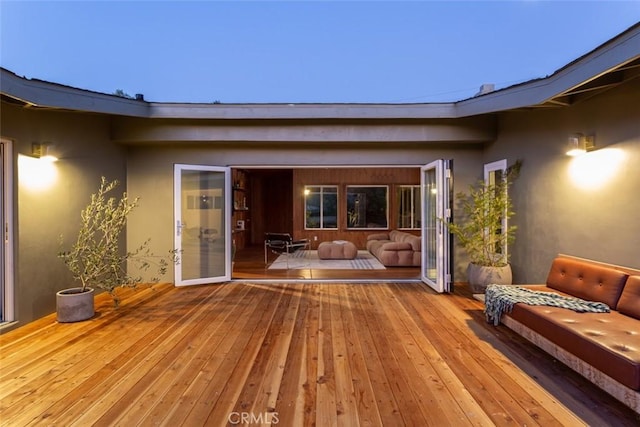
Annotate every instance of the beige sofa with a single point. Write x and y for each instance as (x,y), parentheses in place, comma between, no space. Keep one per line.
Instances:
(396,248)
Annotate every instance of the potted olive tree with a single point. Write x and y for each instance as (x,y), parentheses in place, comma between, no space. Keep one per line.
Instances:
(96,259)
(483,230)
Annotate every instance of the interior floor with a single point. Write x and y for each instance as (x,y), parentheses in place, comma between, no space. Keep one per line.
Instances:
(249,264)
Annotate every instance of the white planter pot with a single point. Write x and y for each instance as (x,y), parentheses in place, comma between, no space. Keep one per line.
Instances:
(480,276)
(74,305)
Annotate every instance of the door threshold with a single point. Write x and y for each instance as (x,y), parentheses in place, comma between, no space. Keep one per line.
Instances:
(348,281)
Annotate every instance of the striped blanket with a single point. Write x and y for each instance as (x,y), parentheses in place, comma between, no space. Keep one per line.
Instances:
(501,298)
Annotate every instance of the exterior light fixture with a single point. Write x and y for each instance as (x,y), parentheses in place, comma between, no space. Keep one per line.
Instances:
(579,144)
(43,152)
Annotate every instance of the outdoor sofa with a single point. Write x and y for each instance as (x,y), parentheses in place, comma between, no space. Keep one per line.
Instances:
(603,347)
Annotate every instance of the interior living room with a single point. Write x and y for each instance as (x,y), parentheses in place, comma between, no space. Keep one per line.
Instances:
(279,201)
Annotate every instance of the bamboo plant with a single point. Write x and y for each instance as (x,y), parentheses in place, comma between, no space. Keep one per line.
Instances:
(485,210)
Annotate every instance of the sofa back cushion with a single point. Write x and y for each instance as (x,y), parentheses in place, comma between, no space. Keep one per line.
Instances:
(378,236)
(629,302)
(402,237)
(586,280)
(397,246)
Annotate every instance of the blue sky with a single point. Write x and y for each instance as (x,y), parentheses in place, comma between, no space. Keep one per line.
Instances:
(302,51)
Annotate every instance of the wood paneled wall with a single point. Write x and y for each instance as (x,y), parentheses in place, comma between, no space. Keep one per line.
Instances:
(271,203)
(342,177)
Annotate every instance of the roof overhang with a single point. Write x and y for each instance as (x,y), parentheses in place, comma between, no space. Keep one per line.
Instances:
(39,94)
(609,65)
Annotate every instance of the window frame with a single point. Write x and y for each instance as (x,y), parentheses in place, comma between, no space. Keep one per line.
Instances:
(321,211)
(349,187)
(416,218)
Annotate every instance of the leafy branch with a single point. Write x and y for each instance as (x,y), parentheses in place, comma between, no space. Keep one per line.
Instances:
(96,260)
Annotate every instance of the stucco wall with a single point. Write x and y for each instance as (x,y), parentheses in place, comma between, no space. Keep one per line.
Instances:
(44,213)
(150,173)
(586,206)
(556,212)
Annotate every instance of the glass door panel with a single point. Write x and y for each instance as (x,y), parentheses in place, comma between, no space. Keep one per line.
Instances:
(430,243)
(202,216)
(4,237)
(436,210)
(7,291)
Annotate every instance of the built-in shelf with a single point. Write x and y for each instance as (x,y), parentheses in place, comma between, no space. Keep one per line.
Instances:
(240,198)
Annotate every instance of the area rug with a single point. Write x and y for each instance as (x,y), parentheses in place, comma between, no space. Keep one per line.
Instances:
(301,260)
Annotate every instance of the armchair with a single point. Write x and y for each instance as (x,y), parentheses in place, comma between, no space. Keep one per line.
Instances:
(282,243)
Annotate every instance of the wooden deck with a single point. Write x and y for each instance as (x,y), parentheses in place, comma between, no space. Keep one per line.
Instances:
(294,354)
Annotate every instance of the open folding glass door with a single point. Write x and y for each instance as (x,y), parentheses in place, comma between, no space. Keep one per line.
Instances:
(7,311)
(4,237)
(202,215)
(435,181)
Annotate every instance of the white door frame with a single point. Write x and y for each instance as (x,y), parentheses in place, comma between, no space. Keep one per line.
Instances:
(444,177)
(498,165)
(226,228)
(6,193)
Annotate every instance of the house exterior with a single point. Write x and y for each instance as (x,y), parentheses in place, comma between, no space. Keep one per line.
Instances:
(586,207)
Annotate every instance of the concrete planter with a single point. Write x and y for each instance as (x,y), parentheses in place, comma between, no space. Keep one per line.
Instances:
(74,305)
(480,276)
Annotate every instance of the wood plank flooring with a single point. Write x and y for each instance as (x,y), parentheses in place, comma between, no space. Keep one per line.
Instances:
(290,354)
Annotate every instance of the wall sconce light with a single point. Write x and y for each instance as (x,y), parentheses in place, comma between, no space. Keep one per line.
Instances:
(43,151)
(579,144)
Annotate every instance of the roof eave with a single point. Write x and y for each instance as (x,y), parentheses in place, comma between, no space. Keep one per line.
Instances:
(619,51)
(38,93)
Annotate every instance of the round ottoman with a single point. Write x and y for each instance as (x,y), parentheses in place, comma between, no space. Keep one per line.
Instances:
(338,249)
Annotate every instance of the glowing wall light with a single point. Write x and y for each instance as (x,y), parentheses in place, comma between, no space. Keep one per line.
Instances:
(579,144)
(593,170)
(43,151)
(36,174)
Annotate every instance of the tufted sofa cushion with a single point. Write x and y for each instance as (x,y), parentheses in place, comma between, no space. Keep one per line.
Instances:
(610,342)
(586,280)
(402,237)
(629,302)
(396,248)
(378,236)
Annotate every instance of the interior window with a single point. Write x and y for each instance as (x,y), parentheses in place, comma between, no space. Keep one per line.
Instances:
(409,207)
(367,206)
(321,207)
